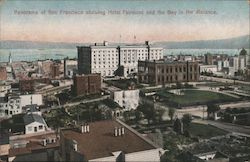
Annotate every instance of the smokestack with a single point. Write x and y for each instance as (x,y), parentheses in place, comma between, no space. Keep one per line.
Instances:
(123,130)
(116,132)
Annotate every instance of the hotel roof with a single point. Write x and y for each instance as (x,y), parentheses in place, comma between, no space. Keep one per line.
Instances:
(101,142)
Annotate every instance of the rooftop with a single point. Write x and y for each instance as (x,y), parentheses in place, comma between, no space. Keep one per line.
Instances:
(101,142)
(30,118)
(33,143)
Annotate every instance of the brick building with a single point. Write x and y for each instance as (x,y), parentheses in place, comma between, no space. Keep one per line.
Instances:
(55,70)
(3,73)
(161,72)
(87,84)
(27,85)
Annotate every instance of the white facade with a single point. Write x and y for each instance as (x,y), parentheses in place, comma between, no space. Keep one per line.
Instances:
(225,63)
(35,127)
(219,65)
(69,67)
(128,99)
(105,59)
(242,63)
(4,89)
(10,107)
(235,63)
(208,68)
(148,155)
(31,99)
(129,57)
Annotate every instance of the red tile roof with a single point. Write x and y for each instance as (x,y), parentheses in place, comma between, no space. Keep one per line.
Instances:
(101,142)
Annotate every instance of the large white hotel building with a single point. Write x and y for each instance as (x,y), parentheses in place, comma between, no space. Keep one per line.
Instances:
(106,59)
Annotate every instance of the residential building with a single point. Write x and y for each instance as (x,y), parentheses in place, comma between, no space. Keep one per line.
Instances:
(3,73)
(162,72)
(30,99)
(106,59)
(55,70)
(4,88)
(26,85)
(70,67)
(10,105)
(208,59)
(127,99)
(208,68)
(34,123)
(109,140)
(87,84)
(41,146)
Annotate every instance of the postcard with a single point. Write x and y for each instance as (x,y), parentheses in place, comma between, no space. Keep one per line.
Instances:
(125,80)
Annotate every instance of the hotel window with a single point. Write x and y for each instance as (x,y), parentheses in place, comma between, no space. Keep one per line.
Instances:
(176,69)
(40,127)
(180,69)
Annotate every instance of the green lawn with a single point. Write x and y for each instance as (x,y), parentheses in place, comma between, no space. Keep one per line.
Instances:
(205,131)
(192,97)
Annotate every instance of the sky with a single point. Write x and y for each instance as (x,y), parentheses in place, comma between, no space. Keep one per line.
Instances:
(226,19)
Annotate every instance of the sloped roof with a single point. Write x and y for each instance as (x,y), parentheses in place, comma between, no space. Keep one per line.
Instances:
(101,142)
(30,118)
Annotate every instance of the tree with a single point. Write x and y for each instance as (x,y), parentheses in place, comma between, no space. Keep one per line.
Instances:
(186,119)
(211,109)
(148,110)
(138,116)
(159,114)
(171,113)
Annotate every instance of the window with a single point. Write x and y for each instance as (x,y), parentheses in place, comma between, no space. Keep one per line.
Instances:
(40,127)
(29,128)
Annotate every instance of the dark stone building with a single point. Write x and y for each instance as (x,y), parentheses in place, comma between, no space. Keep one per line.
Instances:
(161,72)
(87,84)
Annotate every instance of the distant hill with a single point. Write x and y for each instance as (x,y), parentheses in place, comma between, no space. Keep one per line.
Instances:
(231,43)
(36,45)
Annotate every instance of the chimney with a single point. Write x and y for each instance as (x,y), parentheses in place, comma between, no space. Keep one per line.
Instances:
(123,130)
(105,43)
(87,128)
(119,131)
(44,142)
(82,129)
(74,144)
(116,132)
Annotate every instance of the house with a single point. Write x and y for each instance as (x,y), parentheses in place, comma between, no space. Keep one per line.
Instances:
(127,99)
(109,140)
(34,123)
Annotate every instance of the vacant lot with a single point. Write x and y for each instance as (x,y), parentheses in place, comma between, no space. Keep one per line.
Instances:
(205,131)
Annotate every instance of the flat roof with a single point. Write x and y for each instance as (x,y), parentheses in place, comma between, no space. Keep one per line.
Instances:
(101,142)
